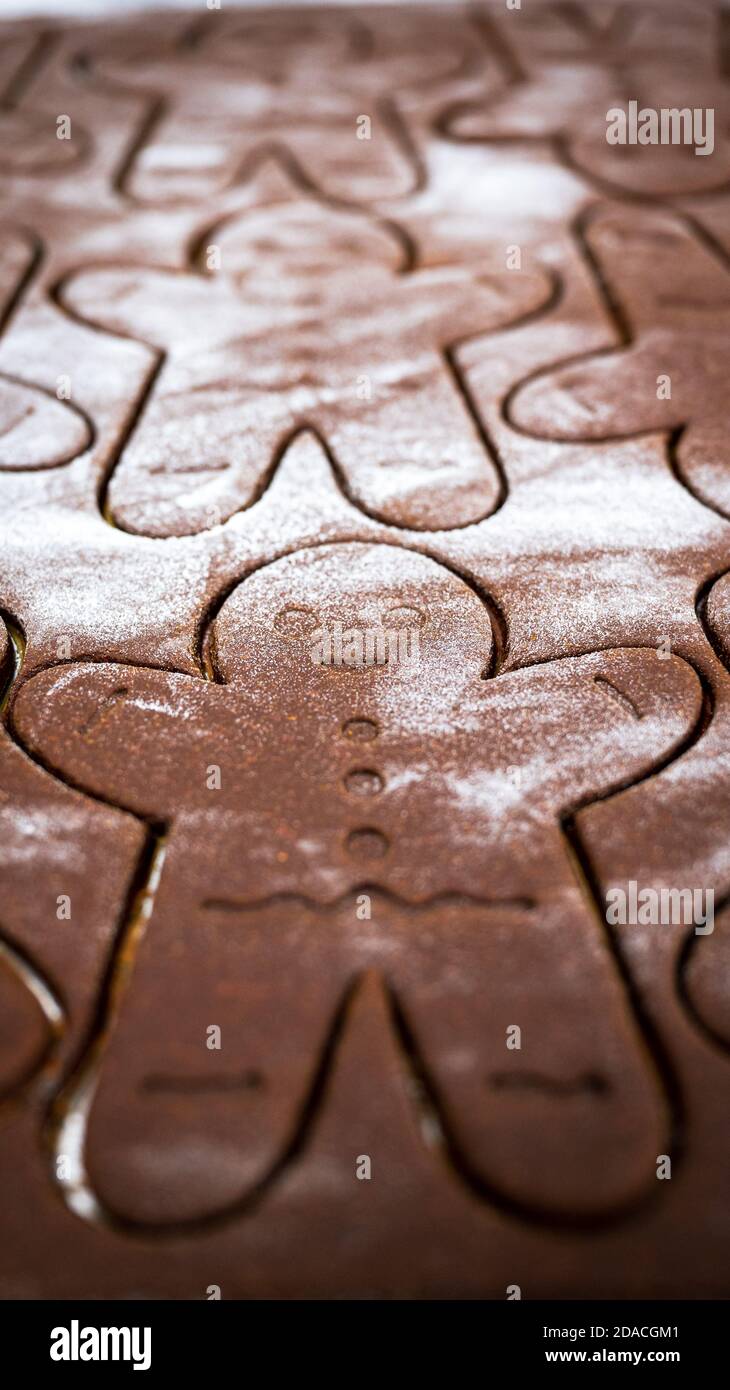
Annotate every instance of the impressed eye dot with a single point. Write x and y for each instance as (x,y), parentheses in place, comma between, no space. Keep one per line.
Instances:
(296,622)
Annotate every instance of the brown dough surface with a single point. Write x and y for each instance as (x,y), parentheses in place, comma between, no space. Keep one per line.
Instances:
(270,393)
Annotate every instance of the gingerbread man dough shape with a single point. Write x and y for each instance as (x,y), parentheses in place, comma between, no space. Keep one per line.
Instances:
(569,103)
(432,790)
(307,322)
(573,71)
(299,85)
(671,297)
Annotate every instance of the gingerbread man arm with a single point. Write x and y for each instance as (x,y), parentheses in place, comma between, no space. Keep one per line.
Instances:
(456,302)
(581,727)
(533,110)
(36,430)
(123,733)
(154,306)
(667,295)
